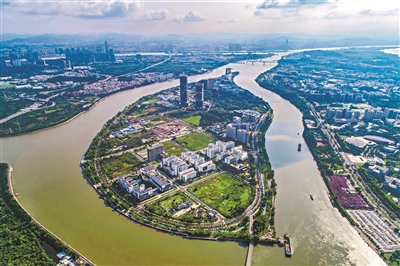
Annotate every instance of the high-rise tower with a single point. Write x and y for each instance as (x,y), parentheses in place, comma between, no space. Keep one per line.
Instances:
(199,95)
(184,91)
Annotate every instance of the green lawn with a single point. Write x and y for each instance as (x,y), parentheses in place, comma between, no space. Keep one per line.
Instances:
(195,141)
(224,193)
(172,149)
(195,120)
(164,205)
(120,165)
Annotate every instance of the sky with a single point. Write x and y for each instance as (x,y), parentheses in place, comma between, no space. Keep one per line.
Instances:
(313,17)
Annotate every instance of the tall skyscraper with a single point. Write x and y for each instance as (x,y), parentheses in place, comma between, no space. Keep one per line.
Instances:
(184,91)
(106,47)
(231,131)
(242,136)
(199,95)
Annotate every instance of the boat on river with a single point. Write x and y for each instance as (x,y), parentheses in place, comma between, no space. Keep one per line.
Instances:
(287,245)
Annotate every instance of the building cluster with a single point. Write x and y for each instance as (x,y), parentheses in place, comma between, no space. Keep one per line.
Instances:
(150,183)
(134,125)
(389,183)
(115,84)
(225,151)
(238,130)
(63,259)
(187,166)
(341,115)
(85,56)
(222,84)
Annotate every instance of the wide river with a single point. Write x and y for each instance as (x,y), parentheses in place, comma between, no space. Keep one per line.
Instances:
(48,177)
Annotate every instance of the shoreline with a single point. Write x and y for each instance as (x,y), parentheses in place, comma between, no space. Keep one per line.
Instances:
(95,103)
(11,189)
(360,232)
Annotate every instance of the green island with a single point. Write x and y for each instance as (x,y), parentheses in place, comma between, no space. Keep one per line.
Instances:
(310,81)
(48,96)
(198,172)
(22,238)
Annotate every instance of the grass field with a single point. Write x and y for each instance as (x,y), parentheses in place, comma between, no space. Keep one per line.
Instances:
(195,120)
(164,206)
(225,194)
(172,149)
(120,165)
(195,141)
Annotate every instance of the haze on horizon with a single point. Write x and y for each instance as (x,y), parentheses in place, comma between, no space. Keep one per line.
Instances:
(332,17)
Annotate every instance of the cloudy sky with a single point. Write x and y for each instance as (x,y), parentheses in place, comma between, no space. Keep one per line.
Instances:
(348,17)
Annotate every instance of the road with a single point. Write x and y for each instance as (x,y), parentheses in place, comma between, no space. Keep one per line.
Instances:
(372,200)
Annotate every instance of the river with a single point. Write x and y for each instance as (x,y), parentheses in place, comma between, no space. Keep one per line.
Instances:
(48,177)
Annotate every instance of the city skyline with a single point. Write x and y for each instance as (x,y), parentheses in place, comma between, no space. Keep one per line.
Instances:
(366,18)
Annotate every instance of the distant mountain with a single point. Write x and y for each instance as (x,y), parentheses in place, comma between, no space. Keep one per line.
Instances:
(263,41)
(11,36)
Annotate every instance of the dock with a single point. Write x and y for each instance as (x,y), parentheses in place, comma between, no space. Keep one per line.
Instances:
(249,253)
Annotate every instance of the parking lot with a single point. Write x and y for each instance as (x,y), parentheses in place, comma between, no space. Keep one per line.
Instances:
(380,232)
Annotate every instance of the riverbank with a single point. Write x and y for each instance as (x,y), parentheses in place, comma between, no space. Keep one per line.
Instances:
(62,245)
(48,177)
(327,153)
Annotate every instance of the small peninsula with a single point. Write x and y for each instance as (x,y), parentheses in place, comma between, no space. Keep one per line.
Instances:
(191,161)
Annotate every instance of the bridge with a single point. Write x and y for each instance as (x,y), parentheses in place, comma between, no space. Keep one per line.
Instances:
(263,61)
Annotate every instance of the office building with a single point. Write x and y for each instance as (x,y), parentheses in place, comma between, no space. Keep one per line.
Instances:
(154,152)
(187,174)
(231,131)
(242,136)
(184,91)
(199,95)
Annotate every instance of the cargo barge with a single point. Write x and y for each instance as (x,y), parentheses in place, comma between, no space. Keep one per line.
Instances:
(287,245)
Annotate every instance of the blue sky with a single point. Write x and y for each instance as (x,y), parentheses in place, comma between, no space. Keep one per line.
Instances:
(358,18)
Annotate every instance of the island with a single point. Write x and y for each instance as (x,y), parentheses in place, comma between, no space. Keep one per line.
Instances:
(190,161)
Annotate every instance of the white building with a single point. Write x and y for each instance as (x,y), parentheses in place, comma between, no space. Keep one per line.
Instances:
(225,146)
(206,167)
(231,159)
(128,182)
(212,150)
(174,165)
(187,174)
(242,155)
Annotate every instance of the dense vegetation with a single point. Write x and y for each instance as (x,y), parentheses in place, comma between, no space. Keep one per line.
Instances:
(59,111)
(20,238)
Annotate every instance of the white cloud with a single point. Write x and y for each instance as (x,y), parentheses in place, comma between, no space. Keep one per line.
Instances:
(192,16)
(89,9)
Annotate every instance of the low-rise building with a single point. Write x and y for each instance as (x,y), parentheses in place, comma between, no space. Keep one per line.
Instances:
(212,150)
(206,167)
(187,174)
(128,183)
(142,193)
(174,165)
(379,172)
(225,146)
